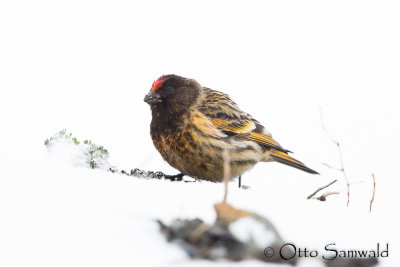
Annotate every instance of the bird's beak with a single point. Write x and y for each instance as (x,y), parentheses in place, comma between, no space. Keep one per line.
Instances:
(152,98)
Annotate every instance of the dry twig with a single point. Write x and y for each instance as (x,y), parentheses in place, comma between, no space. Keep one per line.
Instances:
(340,157)
(319,189)
(373,194)
(227,171)
(324,195)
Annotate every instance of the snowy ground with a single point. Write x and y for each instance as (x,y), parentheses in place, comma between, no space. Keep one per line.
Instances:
(86,66)
(54,214)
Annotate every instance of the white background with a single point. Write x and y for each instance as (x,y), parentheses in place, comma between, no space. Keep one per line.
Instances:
(86,66)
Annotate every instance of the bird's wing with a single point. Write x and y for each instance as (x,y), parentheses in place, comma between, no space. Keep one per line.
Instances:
(225,115)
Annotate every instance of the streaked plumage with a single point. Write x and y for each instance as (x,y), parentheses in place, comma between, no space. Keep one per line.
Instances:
(192,125)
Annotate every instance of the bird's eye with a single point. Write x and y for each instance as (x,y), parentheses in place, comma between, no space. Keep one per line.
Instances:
(169,90)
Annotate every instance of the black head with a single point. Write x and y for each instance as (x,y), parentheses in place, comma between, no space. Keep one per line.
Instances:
(172,94)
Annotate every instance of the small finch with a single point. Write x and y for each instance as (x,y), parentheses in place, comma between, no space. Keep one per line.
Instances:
(192,125)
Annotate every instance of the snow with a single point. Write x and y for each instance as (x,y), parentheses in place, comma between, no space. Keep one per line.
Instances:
(63,151)
(56,214)
(250,230)
(86,66)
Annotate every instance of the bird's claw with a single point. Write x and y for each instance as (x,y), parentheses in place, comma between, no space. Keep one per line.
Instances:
(173,178)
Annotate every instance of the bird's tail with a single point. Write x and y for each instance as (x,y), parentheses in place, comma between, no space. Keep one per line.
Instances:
(286,159)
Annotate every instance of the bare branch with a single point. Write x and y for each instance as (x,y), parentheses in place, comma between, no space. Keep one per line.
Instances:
(344,174)
(324,128)
(321,188)
(340,156)
(331,167)
(324,195)
(373,194)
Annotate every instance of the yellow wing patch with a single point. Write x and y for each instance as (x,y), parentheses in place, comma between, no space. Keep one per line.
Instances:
(245,130)
(205,126)
(233,126)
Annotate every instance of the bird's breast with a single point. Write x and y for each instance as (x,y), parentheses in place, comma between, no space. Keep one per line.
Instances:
(198,153)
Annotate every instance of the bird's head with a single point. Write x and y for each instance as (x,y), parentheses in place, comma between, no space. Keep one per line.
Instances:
(172,93)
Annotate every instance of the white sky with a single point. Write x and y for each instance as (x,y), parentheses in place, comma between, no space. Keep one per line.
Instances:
(86,66)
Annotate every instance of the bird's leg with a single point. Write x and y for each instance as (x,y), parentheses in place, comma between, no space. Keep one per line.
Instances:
(240,181)
(177,177)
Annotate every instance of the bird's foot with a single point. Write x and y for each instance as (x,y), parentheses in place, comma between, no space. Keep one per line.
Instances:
(173,178)
(245,187)
(242,186)
(150,174)
(157,175)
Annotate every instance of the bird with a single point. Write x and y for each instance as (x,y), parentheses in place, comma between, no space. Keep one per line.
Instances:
(193,125)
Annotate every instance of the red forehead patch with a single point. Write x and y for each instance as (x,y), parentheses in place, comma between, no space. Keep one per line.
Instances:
(158,83)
